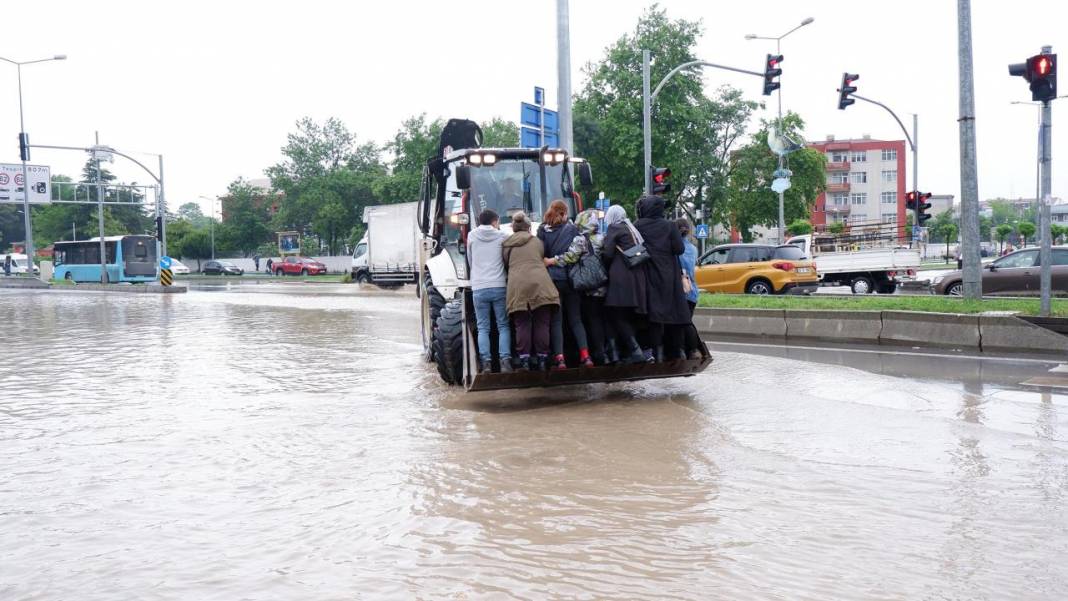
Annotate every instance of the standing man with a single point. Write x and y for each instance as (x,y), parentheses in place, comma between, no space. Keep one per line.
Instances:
(270,262)
(256,261)
(488,284)
(7,265)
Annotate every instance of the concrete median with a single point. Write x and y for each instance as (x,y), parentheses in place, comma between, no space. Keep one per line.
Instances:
(1010,334)
(949,330)
(767,323)
(839,326)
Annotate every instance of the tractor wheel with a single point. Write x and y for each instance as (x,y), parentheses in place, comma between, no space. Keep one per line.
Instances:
(448,342)
(435,303)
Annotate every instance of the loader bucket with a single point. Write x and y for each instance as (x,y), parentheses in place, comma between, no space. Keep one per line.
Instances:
(475,382)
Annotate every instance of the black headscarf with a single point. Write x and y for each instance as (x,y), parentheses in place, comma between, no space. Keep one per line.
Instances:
(651,207)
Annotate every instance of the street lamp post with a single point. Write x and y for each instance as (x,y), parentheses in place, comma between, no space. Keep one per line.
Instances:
(782,158)
(25,155)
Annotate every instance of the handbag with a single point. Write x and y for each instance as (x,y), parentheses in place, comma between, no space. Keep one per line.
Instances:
(635,255)
(687,286)
(588,274)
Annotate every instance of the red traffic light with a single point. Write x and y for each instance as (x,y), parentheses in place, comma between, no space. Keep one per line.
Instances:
(661,174)
(910,197)
(1042,65)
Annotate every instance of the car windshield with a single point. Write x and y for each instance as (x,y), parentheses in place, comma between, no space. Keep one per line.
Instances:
(513,185)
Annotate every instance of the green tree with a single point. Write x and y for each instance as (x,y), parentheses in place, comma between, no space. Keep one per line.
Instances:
(750,199)
(1058,232)
(245,226)
(948,230)
(1002,211)
(692,133)
(1003,232)
(799,227)
(1026,229)
(938,225)
(194,245)
(836,227)
(191,213)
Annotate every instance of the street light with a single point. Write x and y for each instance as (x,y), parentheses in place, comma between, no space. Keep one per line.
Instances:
(212,222)
(25,152)
(778,51)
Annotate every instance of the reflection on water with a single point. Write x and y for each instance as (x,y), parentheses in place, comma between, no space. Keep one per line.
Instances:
(286,441)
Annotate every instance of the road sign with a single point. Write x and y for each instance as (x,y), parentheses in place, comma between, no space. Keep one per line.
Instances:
(11,183)
(539,96)
(781,184)
(166,277)
(165,262)
(530,116)
(701,231)
(531,138)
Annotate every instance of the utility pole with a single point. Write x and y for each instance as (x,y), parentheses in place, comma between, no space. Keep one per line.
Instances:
(916,181)
(563,74)
(1045,252)
(100,215)
(647,124)
(969,181)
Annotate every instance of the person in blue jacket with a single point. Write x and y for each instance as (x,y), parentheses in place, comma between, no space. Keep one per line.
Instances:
(688,264)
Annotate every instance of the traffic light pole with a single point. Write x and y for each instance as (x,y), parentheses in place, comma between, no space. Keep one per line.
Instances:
(1045,251)
(913,146)
(649,98)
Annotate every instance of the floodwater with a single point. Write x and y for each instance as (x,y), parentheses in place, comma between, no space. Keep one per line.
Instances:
(286,442)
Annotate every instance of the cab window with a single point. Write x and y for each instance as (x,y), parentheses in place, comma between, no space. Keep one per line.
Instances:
(1060,257)
(361,250)
(716,257)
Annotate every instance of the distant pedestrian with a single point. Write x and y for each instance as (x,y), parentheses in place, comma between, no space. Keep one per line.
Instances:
(270,262)
(7,265)
(256,260)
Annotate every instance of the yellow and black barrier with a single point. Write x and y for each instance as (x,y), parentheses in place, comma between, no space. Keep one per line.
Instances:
(166,277)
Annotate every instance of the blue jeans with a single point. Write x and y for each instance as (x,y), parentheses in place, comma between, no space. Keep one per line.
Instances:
(492,303)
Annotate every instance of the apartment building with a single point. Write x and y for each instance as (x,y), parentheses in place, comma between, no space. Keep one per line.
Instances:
(865,182)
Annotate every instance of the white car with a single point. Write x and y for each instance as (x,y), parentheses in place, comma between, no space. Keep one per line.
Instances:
(178,268)
(18,264)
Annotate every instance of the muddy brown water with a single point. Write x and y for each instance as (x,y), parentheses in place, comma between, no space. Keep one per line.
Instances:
(287,442)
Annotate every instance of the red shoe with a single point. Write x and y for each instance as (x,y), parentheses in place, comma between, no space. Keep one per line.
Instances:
(560,363)
(584,358)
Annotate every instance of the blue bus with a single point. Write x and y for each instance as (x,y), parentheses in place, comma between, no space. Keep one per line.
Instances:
(129,259)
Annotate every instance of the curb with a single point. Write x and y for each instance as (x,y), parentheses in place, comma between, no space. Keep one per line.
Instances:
(982,332)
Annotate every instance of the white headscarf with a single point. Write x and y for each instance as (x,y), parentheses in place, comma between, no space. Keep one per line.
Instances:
(617,214)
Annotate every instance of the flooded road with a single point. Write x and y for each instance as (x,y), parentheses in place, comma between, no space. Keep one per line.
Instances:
(285,441)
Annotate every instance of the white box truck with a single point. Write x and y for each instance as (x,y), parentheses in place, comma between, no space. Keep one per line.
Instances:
(388,254)
(844,261)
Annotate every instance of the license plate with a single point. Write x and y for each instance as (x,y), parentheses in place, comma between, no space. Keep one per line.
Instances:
(803,270)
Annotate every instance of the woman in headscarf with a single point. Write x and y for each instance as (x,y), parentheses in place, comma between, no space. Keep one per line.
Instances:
(590,240)
(688,263)
(556,233)
(668,312)
(626,298)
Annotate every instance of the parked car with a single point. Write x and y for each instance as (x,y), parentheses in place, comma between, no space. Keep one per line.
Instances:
(221,268)
(178,268)
(756,269)
(1015,274)
(299,266)
(18,263)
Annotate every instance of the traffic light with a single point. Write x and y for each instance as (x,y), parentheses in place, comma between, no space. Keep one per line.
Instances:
(771,71)
(660,183)
(846,89)
(917,203)
(159,228)
(1040,71)
(24,147)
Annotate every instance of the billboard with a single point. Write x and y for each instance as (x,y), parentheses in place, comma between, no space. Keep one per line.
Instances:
(12,186)
(289,243)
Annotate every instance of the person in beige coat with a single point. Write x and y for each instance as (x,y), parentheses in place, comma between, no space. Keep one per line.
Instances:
(531,294)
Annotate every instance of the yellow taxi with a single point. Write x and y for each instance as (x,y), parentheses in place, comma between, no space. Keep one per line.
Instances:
(756,269)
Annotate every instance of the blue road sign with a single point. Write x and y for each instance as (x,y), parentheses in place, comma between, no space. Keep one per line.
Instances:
(602,204)
(165,262)
(530,116)
(531,138)
(701,231)
(539,96)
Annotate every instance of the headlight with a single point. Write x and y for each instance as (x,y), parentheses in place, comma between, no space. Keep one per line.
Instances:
(489,159)
(938,279)
(475,159)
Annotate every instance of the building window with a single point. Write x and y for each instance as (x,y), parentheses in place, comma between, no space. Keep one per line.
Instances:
(838,178)
(857,218)
(858,198)
(840,200)
(888,198)
(839,156)
(889,217)
(860,156)
(858,177)
(889,154)
(837,218)
(890,176)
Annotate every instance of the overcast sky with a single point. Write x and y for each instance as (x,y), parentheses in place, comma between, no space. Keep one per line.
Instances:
(216,86)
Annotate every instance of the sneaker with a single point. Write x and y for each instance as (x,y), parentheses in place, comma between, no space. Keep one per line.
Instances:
(559,363)
(524,363)
(506,365)
(543,363)
(584,358)
(648,355)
